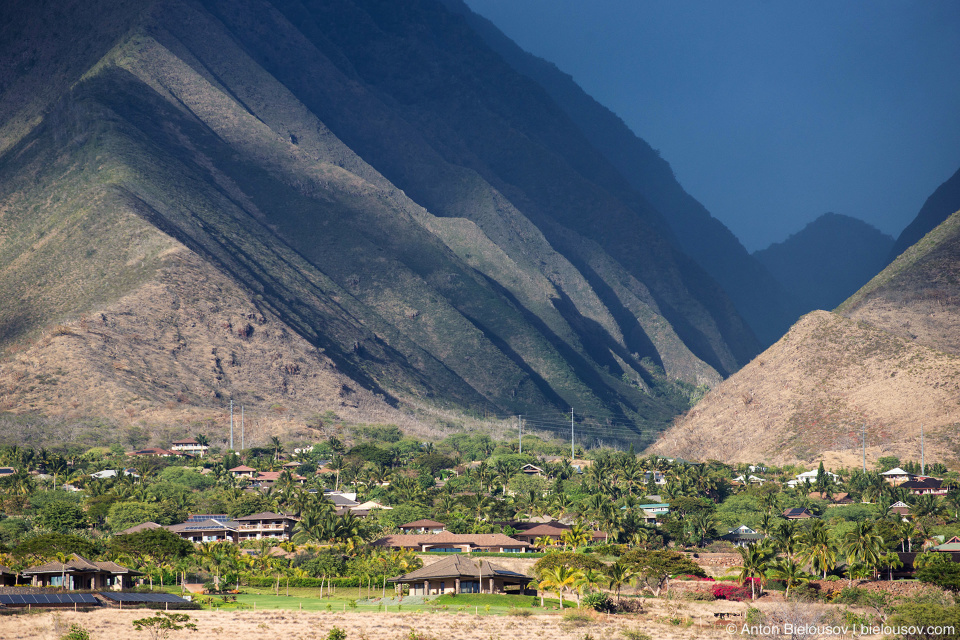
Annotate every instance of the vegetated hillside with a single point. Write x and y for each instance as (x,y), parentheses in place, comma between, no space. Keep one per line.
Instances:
(887,358)
(808,396)
(827,261)
(938,207)
(759,298)
(311,206)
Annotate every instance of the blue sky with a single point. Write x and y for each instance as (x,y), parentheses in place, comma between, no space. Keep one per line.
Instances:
(771,113)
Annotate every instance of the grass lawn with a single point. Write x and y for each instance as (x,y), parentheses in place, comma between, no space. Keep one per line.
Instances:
(345,599)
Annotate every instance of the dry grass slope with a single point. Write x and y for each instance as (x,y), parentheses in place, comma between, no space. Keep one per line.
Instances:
(806,397)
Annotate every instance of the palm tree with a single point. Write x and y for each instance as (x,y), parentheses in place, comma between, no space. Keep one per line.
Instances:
(203,441)
(640,537)
(753,560)
(863,546)
(349,530)
(787,538)
(543,542)
(63,558)
(790,572)
(907,531)
(876,488)
(576,536)
(559,578)
(619,574)
(818,548)
(277,447)
(701,525)
(891,561)
(928,507)
(953,498)
(561,505)
(588,579)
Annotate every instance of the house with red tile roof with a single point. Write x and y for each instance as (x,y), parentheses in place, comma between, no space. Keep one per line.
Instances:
(423,526)
(454,542)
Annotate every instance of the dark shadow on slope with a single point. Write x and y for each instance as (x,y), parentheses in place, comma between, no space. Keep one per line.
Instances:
(587,371)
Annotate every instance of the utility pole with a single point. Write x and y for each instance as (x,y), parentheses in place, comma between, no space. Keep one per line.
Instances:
(573,455)
(863,437)
(923,470)
(520,432)
(231,425)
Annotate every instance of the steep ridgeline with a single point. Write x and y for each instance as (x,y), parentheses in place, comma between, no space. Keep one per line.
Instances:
(888,359)
(938,207)
(757,295)
(826,262)
(344,205)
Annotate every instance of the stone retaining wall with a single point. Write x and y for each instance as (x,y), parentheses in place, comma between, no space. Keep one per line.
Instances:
(716,564)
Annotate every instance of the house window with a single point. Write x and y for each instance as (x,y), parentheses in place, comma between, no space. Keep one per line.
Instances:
(469,586)
(446,549)
(442,589)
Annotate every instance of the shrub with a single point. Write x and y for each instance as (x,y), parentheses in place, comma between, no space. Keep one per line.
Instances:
(576,618)
(635,634)
(160,625)
(598,601)
(735,593)
(337,634)
(699,596)
(945,576)
(77,632)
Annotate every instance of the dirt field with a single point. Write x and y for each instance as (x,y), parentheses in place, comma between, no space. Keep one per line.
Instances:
(693,620)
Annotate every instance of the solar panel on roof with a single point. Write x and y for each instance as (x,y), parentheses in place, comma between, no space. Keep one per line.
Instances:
(143,597)
(201,517)
(22,599)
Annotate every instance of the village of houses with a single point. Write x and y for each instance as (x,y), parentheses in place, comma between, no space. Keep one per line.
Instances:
(618,512)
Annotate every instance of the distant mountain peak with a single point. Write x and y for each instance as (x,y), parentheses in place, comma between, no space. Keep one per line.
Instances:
(827,261)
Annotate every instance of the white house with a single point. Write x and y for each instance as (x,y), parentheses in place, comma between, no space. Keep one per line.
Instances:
(811,477)
(896,476)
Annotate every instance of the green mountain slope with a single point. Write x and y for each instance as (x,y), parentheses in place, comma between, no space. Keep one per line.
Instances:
(755,292)
(422,222)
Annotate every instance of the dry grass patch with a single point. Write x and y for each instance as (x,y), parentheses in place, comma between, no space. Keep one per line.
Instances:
(110,624)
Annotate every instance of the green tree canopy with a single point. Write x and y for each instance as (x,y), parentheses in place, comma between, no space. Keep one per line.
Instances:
(568,559)
(945,576)
(61,517)
(123,515)
(43,547)
(159,544)
(653,568)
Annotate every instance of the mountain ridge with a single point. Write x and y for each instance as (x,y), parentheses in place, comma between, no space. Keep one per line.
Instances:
(827,261)
(402,253)
(886,361)
(708,241)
